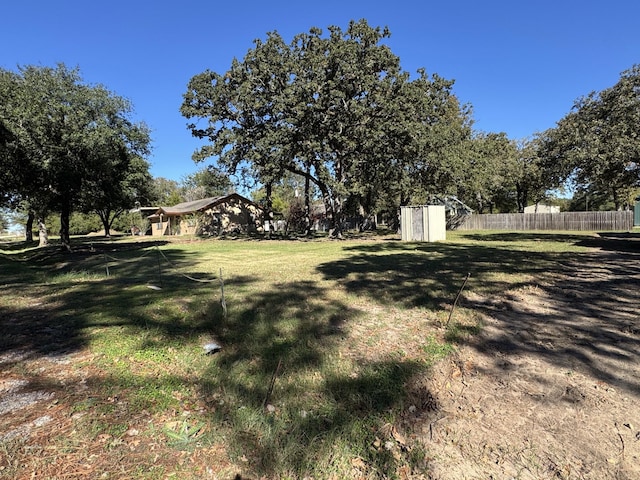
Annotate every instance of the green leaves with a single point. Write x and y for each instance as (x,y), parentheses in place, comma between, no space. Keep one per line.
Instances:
(598,142)
(182,434)
(337,110)
(75,144)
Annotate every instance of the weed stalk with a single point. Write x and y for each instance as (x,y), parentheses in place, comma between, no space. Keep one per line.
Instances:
(455,302)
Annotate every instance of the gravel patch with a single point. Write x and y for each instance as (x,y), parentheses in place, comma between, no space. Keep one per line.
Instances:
(15,401)
(25,429)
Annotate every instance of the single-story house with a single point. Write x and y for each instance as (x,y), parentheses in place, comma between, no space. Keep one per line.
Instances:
(208,216)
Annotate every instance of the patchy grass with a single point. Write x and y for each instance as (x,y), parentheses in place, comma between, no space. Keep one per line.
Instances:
(321,344)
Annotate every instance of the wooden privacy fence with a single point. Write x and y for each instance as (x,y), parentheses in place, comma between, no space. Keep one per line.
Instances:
(586,221)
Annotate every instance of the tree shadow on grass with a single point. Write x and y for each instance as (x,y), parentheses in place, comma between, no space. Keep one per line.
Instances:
(319,401)
(610,241)
(51,299)
(588,318)
(527,236)
(290,402)
(17,245)
(429,275)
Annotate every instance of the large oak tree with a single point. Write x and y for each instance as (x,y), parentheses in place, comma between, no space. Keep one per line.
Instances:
(336,110)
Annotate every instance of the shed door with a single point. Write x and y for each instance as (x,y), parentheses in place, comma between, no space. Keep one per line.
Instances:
(418,224)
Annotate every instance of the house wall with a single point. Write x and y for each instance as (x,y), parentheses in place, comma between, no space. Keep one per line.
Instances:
(234,215)
(187,225)
(159,229)
(542,208)
(231,216)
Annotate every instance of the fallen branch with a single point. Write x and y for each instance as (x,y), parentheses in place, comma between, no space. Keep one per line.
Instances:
(621,440)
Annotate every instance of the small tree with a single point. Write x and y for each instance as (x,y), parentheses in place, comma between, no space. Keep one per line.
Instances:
(166,192)
(206,182)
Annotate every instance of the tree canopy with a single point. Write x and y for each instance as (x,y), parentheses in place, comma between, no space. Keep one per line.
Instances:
(206,182)
(68,145)
(337,110)
(597,144)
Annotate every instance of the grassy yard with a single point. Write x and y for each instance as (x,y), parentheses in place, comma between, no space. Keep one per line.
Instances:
(324,346)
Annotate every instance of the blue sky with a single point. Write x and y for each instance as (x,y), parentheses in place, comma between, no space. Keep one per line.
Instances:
(520,64)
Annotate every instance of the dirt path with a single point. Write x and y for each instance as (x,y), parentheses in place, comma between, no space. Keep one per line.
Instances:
(551,387)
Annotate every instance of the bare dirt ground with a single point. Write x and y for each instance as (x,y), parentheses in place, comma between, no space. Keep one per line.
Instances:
(549,389)
(551,386)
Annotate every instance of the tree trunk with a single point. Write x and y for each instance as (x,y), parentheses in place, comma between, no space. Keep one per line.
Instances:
(65,237)
(367,220)
(363,218)
(335,229)
(521,198)
(106,224)
(479,203)
(268,210)
(396,223)
(616,199)
(307,205)
(43,236)
(28,228)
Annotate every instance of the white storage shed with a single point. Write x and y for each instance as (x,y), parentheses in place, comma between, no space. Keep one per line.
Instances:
(424,223)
